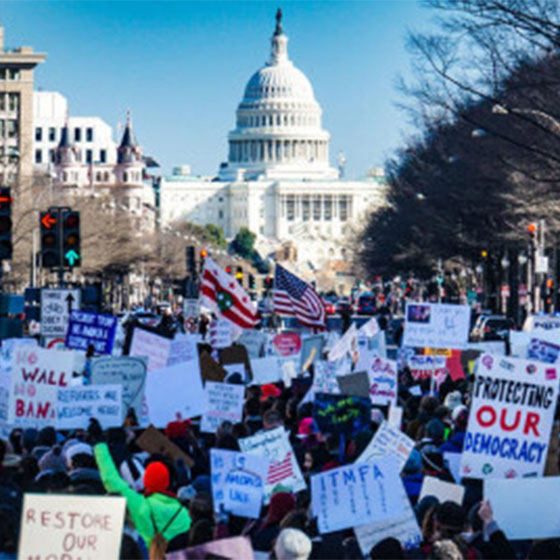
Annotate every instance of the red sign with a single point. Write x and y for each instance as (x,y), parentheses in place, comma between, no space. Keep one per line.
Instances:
(522,291)
(505,291)
(287,344)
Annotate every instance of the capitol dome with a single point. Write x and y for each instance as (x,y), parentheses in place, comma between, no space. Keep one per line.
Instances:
(278,130)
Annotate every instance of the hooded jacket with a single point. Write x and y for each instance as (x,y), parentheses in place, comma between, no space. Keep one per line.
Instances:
(140,507)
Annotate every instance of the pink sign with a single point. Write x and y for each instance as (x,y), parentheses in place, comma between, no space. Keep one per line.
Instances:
(287,344)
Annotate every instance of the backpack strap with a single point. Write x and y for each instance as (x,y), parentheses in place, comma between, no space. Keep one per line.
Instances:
(172,519)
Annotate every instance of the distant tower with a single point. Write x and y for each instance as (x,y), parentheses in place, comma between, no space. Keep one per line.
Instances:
(341,164)
(130,164)
(67,159)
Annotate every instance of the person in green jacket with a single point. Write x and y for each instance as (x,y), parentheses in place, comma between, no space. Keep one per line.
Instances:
(157,505)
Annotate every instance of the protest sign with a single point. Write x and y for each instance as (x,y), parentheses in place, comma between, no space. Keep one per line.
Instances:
(238,481)
(129,372)
(220,333)
(436,325)
(56,305)
(527,508)
(311,348)
(347,345)
(510,420)
(369,329)
(236,354)
(541,323)
(287,344)
(395,416)
(388,441)
(86,328)
(453,461)
(75,406)
(175,390)
(153,441)
(443,491)
(354,384)
(182,349)
(424,367)
(235,371)
(254,341)
(58,526)
(357,494)
(267,370)
(225,402)
(191,308)
(341,414)
(152,346)
(36,374)
(383,378)
(228,549)
(210,370)
(404,528)
(543,351)
(284,468)
(325,378)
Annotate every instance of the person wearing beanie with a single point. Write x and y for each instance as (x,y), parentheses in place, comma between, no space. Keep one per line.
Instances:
(455,442)
(387,549)
(413,476)
(292,544)
(157,510)
(453,400)
(53,460)
(280,505)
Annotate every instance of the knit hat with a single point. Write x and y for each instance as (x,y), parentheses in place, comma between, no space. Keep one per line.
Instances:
(53,460)
(453,400)
(451,516)
(77,449)
(305,427)
(292,544)
(178,428)
(281,503)
(156,478)
(270,390)
(458,411)
(435,430)
(389,548)
(47,436)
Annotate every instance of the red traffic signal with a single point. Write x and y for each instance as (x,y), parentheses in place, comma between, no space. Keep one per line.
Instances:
(203,254)
(532,228)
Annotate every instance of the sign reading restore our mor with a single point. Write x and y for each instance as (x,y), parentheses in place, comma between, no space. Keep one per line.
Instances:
(511,418)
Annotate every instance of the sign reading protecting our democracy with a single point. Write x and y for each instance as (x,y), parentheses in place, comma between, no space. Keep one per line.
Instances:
(55,526)
(238,481)
(225,402)
(511,417)
(356,495)
(342,414)
(436,325)
(86,328)
(383,378)
(284,468)
(75,406)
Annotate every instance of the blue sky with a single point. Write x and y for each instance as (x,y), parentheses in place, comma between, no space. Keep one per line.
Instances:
(181,67)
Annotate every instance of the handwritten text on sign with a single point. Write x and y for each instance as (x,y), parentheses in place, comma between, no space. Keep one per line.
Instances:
(225,402)
(87,328)
(383,379)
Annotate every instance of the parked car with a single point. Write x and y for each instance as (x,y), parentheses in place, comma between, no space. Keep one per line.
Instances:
(344,305)
(147,318)
(492,327)
(366,304)
(330,307)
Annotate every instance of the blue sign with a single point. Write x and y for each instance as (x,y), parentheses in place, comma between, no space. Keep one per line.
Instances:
(85,328)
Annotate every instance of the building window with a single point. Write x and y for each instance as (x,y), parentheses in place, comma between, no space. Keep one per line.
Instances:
(52,134)
(220,214)
(2,102)
(89,134)
(2,73)
(344,207)
(12,128)
(51,156)
(327,207)
(13,74)
(125,176)
(316,207)
(106,176)
(38,156)
(13,102)
(102,156)
(77,135)
(38,134)
(305,208)
(2,128)
(290,207)
(89,156)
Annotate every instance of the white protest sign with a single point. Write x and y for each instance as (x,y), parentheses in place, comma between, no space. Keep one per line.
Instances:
(182,349)
(395,416)
(443,491)
(520,341)
(436,325)
(388,441)
(129,372)
(191,308)
(254,341)
(36,374)
(543,351)
(541,323)
(324,380)
(220,333)
(237,369)
(267,370)
(424,367)
(175,390)
(527,508)
(225,402)
(238,481)
(454,464)
(357,494)
(73,526)
(510,420)
(56,305)
(76,405)
(383,378)
(154,347)
(348,344)
(284,468)
(369,329)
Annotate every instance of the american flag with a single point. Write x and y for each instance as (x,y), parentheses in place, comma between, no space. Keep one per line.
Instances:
(277,472)
(294,297)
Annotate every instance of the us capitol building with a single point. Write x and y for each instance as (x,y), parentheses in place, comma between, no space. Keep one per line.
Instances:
(278,181)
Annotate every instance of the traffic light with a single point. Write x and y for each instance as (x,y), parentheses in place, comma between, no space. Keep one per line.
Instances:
(268,282)
(71,251)
(50,239)
(251,282)
(203,255)
(5,223)
(191,260)
(239,274)
(228,269)
(484,254)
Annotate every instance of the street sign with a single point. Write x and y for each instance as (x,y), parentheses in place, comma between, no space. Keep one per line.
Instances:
(191,308)
(541,264)
(505,290)
(56,305)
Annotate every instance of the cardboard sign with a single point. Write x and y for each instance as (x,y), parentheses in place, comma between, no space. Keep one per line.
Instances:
(86,328)
(312,348)
(354,384)
(174,392)
(76,405)
(357,494)
(510,420)
(287,344)
(284,468)
(341,414)
(74,526)
(36,374)
(236,354)
(56,305)
(229,549)
(210,370)
(154,347)
(443,491)
(388,441)
(383,378)
(153,441)
(128,372)
(436,325)
(220,333)
(238,481)
(254,341)
(535,498)
(225,402)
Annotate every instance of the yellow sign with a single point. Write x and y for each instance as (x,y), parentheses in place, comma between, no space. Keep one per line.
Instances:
(437,352)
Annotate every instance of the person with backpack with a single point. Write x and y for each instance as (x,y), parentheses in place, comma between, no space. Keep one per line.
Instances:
(157,514)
